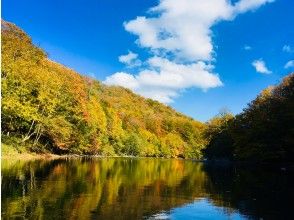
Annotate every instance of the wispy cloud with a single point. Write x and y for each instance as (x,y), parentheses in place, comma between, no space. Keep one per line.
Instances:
(130,59)
(249,5)
(288,49)
(260,66)
(178,36)
(247,47)
(289,64)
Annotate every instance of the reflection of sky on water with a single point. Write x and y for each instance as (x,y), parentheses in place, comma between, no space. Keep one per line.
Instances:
(199,209)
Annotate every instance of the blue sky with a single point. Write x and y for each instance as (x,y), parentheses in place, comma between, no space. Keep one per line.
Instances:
(197,58)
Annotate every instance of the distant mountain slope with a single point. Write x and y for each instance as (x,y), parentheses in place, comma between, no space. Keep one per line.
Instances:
(47,107)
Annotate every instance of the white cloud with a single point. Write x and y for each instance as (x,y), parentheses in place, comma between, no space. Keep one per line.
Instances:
(130,59)
(122,79)
(183,27)
(246,47)
(178,36)
(260,66)
(289,64)
(288,49)
(164,78)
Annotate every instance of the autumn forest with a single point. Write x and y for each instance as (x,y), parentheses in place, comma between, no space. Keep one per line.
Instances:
(49,108)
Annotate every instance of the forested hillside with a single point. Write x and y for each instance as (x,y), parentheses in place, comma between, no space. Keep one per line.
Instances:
(47,107)
(264,131)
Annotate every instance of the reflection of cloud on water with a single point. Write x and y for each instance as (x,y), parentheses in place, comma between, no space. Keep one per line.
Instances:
(200,209)
(159,216)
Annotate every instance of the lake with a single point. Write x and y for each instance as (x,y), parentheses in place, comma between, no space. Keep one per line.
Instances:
(144,188)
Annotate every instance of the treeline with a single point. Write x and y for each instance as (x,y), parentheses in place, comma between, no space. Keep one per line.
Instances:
(263,132)
(47,107)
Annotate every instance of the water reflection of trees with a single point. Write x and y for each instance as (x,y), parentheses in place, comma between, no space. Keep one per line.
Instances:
(89,188)
(129,188)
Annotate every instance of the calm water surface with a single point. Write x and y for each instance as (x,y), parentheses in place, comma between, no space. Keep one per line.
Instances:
(125,188)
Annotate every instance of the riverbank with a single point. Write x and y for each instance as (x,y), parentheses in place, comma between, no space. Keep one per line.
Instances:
(11,153)
(22,153)
(8,152)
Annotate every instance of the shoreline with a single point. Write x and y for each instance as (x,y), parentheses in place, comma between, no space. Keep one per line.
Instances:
(35,156)
(217,163)
(32,156)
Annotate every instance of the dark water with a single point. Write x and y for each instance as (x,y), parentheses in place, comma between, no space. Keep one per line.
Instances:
(120,188)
